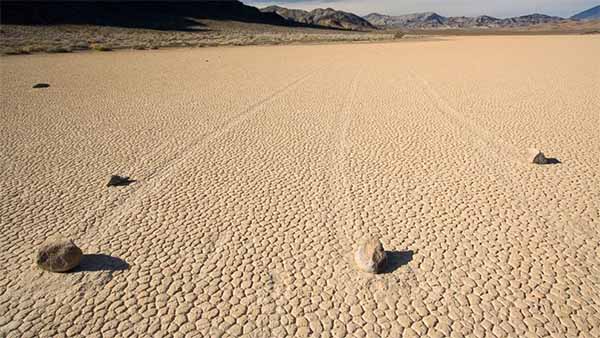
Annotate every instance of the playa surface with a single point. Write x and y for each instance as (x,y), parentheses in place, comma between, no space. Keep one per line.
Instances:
(258,170)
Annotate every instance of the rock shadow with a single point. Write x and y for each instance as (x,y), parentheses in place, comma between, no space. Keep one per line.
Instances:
(396,259)
(552,160)
(101,262)
(119,181)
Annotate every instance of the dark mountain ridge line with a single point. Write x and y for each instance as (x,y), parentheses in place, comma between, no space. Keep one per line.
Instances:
(162,15)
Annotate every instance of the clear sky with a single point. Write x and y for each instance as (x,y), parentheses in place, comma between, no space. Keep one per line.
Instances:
(498,8)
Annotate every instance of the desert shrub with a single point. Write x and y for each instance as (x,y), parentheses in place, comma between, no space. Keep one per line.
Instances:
(34,48)
(80,45)
(102,48)
(55,49)
(263,39)
(26,50)
(15,51)
(176,44)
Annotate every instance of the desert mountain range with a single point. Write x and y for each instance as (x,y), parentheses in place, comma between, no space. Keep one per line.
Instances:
(434,20)
(429,20)
(184,14)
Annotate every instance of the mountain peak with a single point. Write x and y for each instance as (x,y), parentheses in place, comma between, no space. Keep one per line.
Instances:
(589,14)
(325,17)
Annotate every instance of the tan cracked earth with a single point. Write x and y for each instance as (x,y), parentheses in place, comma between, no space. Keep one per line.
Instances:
(259,170)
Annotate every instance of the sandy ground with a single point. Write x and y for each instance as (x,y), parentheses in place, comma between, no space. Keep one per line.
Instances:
(259,168)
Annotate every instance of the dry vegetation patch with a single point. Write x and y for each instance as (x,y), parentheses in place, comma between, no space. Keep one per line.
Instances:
(66,38)
(102,48)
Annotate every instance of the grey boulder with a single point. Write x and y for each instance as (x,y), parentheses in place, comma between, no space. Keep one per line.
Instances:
(58,255)
(370,256)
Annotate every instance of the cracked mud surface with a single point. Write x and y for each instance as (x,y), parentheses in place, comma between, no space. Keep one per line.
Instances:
(258,172)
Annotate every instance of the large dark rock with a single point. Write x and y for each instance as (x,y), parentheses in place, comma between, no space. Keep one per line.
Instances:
(537,157)
(58,255)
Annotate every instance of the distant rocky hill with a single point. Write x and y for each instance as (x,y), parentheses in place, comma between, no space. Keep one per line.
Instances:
(590,14)
(430,20)
(322,17)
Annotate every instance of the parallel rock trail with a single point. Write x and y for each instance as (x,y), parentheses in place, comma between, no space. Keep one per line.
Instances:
(108,213)
(500,149)
(341,184)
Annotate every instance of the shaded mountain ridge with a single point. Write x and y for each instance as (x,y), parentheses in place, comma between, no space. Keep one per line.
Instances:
(589,14)
(165,15)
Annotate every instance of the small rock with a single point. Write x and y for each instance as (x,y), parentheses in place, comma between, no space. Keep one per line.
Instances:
(41,85)
(537,157)
(116,180)
(370,256)
(58,255)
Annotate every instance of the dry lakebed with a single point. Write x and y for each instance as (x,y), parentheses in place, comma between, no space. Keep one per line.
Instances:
(250,175)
